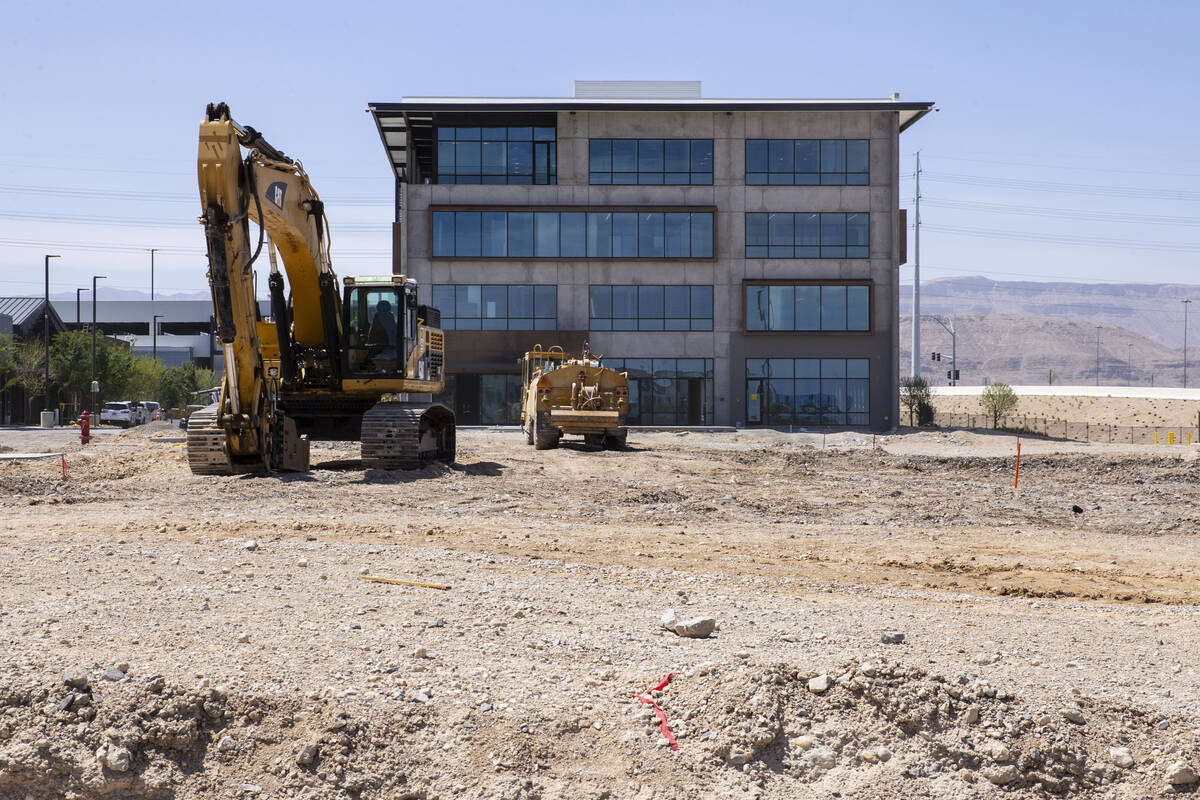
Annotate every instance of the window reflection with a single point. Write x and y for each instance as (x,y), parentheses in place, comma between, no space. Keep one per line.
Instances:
(572,234)
(668,391)
(650,161)
(496,307)
(650,308)
(514,155)
(808,307)
(808,391)
(807,235)
(808,162)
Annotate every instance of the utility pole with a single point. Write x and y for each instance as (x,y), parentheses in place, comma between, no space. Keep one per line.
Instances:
(1129,365)
(94,279)
(916,292)
(1186,303)
(154,331)
(46,318)
(77,291)
(151,251)
(1097,355)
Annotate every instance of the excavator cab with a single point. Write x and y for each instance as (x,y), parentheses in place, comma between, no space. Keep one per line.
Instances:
(380,325)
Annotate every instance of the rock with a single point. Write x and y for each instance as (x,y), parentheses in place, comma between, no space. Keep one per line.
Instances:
(696,628)
(226,743)
(308,755)
(1073,715)
(1121,757)
(972,715)
(302,562)
(420,697)
(420,652)
(819,684)
(996,751)
(436,623)
(875,755)
(892,637)
(1001,775)
(249,788)
(113,674)
(1181,774)
(250,545)
(356,626)
(485,707)
(76,679)
(821,757)
(115,757)
(804,742)
(244,638)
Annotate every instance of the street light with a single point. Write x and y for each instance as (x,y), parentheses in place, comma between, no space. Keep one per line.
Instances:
(154,337)
(94,279)
(77,291)
(151,251)
(46,316)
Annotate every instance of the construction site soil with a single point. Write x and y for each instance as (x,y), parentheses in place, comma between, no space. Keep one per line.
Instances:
(164,635)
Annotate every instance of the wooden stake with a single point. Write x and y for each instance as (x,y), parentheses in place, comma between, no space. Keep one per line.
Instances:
(1017,474)
(399,582)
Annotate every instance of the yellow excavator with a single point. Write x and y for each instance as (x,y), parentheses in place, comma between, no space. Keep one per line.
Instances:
(362,365)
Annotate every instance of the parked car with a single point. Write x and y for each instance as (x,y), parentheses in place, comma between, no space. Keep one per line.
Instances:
(153,410)
(139,412)
(119,413)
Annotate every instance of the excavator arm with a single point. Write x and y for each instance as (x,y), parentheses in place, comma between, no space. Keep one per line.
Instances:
(273,191)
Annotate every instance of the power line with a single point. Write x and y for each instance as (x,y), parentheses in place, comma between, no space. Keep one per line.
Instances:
(1064,213)
(133,222)
(158,197)
(1051,238)
(1064,188)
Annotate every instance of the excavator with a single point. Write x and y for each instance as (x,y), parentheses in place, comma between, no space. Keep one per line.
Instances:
(360,365)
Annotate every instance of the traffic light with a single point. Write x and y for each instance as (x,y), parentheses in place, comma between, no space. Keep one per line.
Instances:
(935,356)
(952,374)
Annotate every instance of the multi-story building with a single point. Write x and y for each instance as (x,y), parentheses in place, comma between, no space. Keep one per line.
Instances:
(738,258)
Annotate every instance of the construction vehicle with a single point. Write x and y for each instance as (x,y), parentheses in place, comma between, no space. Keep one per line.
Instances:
(324,367)
(563,394)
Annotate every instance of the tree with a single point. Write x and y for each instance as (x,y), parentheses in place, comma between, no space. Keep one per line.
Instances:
(29,370)
(179,382)
(998,399)
(914,392)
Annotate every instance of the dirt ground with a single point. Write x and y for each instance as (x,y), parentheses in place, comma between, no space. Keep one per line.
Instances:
(1134,411)
(164,635)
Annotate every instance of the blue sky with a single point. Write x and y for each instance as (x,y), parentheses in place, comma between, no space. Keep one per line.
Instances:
(1062,124)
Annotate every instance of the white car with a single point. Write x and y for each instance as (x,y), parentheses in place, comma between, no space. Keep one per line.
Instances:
(119,413)
(153,410)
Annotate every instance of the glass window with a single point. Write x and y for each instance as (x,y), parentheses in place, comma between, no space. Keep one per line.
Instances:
(600,156)
(806,391)
(624,155)
(443,301)
(676,156)
(624,227)
(807,235)
(781,303)
(573,234)
(520,159)
(650,308)
(858,308)
(678,235)
(495,158)
(780,235)
(651,243)
(650,161)
(443,233)
(445,158)
(467,301)
(497,307)
(495,234)
(545,302)
(702,234)
(599,234)
(466,234)
(520,301)
(808,308)
(650,155)
(833,308)
(520,234)
(808,162)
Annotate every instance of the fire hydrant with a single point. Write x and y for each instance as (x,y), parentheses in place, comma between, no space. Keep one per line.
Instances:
(85,427)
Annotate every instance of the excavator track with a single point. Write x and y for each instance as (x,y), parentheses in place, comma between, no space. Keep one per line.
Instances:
(407,435)
(206,451)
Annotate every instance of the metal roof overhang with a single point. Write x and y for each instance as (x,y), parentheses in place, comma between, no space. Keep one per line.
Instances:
(407,128)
